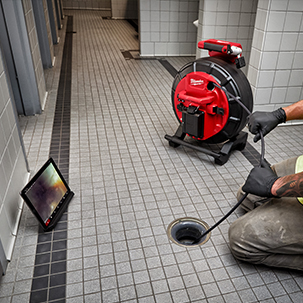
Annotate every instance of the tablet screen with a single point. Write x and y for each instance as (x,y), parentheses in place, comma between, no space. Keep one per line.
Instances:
(46,192)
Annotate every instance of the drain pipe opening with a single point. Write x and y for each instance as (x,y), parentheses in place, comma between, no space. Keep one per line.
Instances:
(188,231)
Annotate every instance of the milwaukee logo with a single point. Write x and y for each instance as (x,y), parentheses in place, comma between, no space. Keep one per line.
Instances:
(196,82)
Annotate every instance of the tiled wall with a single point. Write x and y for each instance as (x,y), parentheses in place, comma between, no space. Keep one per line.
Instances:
(87,4)
(230,20)
(166,27)
(13,171)
(125,9)
(276,65)
(35,50)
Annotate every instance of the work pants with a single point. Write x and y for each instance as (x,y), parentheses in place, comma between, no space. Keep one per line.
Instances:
(271,232)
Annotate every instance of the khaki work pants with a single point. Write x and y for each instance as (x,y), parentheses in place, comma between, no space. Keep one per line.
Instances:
(271,232)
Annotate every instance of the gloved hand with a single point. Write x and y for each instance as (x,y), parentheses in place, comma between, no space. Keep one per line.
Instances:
(265,121)
(260,181)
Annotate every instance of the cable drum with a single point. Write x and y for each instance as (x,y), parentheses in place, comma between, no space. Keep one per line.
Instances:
(214,115)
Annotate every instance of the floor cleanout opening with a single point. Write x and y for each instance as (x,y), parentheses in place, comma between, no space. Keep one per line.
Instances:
(186,232)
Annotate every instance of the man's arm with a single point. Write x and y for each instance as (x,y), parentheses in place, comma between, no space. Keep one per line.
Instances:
(267,121)
(294,111)
(288,186)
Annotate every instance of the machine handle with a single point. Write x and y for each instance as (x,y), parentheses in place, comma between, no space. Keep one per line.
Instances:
(217,47)
(198,101)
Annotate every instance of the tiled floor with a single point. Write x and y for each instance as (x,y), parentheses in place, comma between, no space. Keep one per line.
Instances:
(130,184)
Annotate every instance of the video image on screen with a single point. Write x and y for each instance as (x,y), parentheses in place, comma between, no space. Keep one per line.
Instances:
(46,193)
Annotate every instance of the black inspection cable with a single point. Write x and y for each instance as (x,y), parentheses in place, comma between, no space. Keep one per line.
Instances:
(245,195)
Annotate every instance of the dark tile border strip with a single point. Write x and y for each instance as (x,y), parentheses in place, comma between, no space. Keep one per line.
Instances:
(168,67)
(133,23)
(49,280)
(249,152)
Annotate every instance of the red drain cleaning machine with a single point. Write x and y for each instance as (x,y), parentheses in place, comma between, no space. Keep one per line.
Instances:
(211,98)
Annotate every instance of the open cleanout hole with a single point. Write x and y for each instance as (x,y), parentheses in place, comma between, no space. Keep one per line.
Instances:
(186,231)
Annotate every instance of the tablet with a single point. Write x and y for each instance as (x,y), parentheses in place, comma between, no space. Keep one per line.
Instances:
(47,195)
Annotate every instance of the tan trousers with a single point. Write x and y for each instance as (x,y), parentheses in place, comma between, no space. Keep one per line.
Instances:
(272,232)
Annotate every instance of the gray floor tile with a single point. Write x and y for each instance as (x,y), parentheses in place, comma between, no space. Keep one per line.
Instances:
(130,185)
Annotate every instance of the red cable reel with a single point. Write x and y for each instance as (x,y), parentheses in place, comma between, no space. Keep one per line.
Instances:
(202,107)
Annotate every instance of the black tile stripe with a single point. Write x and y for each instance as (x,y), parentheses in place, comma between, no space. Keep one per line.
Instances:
(168,67)
(49,281)
(249,152)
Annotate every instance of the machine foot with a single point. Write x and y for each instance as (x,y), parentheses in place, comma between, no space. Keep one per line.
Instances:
(236,143)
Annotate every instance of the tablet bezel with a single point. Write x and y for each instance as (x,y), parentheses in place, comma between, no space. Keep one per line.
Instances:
(58,211)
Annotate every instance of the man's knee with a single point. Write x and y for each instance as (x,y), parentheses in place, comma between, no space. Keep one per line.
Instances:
(242,244)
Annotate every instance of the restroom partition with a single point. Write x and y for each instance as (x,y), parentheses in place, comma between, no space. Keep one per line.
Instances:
(22,55)
(44,32)
(53,20)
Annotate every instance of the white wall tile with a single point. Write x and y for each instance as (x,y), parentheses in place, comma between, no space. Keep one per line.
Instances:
(296,78)
(174,37)
(145,36)
(295,5)
(281,78)
(247,19)
(164,16)
(173,16)
(147,48)
(174,6)
(210,6)
(233,19)
(262,96)
(171,20)
(231,33)
(247,5)
(266,78)
(292,21)
(279,5)
(299,46)
(208,32)
(146,16)
(209,18)
(272,41)
(285,60)
(293,94)
(173,49)
(278,94)
(164,6)
(155,36)
(161,49)
(252,75)
(276,21)
(269,60)
(164,36)
(298,60)
(155,26)
(223,6)
(235,5)
(264,4)
(222,18)
(261,19)
(186,48)
(145,26)
(220,32)
(288,41)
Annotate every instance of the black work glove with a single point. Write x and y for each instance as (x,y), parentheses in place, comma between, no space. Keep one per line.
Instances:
(265,121)
(260,181)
